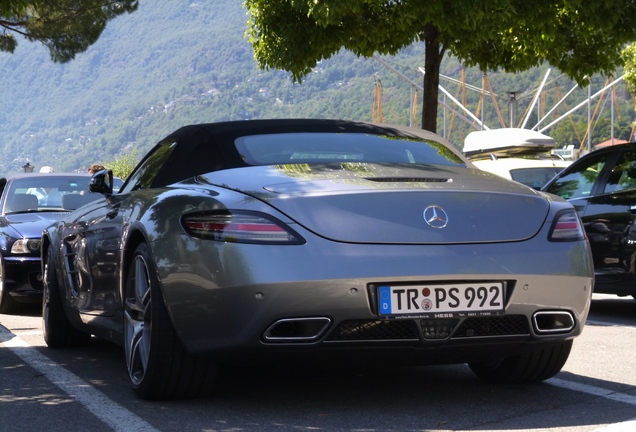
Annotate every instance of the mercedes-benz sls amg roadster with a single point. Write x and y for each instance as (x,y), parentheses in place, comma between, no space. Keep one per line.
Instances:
(316,241)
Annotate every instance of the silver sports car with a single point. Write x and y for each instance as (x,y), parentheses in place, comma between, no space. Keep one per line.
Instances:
(316,241)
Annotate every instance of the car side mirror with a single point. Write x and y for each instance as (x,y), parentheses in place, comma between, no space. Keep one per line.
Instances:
(102,182)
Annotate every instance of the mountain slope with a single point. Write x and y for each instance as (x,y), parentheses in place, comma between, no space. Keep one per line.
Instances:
(168,64)
(175,63)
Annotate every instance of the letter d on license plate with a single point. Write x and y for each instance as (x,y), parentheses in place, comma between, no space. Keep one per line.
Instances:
(472,298)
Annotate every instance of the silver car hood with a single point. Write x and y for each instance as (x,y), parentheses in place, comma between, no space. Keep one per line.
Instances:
(372,203)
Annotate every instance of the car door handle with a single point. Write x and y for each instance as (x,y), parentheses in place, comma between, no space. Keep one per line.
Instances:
(112,213)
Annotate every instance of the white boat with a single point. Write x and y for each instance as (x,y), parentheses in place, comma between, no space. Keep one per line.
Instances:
(521,155)
(506,142)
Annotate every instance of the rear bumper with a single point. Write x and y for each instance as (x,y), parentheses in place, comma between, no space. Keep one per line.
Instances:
(332,315)
(231,298)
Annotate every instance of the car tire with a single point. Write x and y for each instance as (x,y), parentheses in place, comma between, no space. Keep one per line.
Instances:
(7,304)
(56,327)
(159,367)
(535,366)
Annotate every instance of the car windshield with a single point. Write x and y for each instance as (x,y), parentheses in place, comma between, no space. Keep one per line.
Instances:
(47,194)
(286,148)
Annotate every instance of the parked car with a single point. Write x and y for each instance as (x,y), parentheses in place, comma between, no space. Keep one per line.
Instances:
(312,241)
(28,204)
(521,155)
(602,187)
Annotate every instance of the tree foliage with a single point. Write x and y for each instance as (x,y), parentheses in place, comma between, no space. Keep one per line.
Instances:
(65,27)
(579,37)
(629,57)
(124,164)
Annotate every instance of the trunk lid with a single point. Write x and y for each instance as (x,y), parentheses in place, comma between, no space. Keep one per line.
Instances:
(372,203)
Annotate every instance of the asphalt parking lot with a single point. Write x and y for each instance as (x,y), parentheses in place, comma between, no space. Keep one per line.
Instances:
(81,389)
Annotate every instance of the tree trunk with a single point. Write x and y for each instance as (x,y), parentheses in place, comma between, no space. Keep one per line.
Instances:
(432,61)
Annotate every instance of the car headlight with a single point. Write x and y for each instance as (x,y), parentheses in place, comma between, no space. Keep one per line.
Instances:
(24,246)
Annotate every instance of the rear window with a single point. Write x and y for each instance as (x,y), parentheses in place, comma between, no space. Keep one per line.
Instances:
(319,147)
(534,177)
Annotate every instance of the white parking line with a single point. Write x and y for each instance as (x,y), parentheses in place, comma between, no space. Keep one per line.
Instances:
(609,324)
(29,333)
(111,413)
(629,426)
(596,391)
(608,394)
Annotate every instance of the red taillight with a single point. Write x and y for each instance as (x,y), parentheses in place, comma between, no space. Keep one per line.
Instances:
(239,227)
(566,227)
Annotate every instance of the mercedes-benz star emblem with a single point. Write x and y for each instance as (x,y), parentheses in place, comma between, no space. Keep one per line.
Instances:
(435,217)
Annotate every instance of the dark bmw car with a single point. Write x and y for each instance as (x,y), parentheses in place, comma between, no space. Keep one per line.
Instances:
(28,204)
(602,187)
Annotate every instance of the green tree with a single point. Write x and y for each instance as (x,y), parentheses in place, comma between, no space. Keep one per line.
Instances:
(65,27)
(123,165)
(580,37)
(629,57)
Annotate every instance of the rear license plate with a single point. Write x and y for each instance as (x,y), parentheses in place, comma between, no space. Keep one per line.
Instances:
(483,298)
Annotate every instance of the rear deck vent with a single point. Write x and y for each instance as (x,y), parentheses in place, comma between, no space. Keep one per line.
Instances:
(407,179)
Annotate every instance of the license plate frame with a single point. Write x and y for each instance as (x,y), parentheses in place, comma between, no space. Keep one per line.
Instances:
(441,300)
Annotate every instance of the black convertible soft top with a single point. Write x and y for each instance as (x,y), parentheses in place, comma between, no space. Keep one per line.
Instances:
(198,143)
